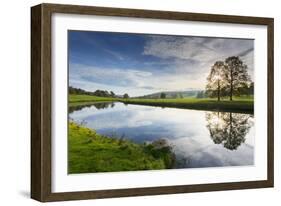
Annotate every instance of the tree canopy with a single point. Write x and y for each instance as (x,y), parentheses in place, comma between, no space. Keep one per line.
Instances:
(99,93)
(236,75)
(216,80)
(162,95)
(126,96)
(228,78)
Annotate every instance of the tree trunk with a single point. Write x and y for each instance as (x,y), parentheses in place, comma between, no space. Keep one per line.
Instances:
(219,98)
(231,84)
(230,119)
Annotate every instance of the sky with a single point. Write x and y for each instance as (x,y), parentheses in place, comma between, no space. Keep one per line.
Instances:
(140,64)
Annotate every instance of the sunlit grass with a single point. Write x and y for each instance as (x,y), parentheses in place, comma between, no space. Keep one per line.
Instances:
(90,152)
(88,98)
(237,105)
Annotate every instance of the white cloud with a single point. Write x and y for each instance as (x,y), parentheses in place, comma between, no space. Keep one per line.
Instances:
(134,82)
(202,51)
(181,48)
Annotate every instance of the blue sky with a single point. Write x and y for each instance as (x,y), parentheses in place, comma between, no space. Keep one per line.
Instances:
(140,64)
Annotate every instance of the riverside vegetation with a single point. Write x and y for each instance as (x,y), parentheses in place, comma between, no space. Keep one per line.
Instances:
(92,152)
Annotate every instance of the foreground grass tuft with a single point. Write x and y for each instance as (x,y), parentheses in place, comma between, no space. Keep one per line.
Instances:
(90,152)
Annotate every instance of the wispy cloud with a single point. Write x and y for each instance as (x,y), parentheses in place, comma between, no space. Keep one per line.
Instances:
(115,54)
(197,49)
(187,48)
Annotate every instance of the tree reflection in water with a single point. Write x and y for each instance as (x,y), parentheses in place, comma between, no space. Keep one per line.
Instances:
(97,105)
(228,129)
(104,105)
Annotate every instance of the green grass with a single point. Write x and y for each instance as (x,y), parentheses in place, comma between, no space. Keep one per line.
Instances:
(78,98)
(239,104)
(91,152)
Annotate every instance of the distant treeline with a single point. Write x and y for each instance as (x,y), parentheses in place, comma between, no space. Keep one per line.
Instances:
(98,93)
(170,95)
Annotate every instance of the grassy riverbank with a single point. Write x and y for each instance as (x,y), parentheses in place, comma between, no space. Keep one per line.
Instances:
(79,98)
(91,152)
(243,105)
(239,104)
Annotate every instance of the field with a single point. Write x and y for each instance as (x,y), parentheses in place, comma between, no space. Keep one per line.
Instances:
(79,98)
(239,104)
(91,152)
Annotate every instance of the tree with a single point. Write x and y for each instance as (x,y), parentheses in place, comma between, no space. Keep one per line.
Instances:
(251,88)
(162,95)
(236,75)
(245,89)
(200,94)
(215,80)
(112,94)
(73,90)
(126,96)
(102,93)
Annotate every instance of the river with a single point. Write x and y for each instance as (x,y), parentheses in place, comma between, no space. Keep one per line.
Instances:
(198,138)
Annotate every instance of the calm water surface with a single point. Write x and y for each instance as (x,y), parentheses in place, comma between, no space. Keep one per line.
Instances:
(198,138)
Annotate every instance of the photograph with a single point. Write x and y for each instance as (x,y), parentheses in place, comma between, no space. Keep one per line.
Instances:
(152,101)
(134,102)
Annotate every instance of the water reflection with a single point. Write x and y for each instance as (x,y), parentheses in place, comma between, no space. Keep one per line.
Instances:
(97,105)
(228,129)
(199,138)
(104,105)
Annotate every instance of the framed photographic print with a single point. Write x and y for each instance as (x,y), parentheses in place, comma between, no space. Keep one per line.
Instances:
(132,102)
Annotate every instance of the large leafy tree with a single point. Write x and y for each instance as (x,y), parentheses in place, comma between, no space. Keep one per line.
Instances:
(216,80)
(236,75)
(125,96)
